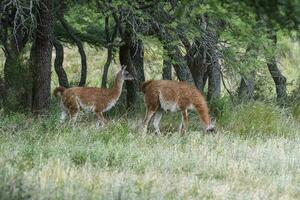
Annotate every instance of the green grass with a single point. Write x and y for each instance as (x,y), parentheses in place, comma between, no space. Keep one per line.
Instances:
(254,154)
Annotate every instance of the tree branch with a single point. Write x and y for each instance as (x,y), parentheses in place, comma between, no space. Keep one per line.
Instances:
(77,41)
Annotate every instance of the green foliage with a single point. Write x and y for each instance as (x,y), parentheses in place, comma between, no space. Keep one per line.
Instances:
(263,91)
(19,82)
(79,157)
(220,109)
(88,26)
(258,120)
(296,111)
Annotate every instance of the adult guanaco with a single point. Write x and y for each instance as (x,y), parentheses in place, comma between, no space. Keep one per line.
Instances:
(164,95)
(97,100)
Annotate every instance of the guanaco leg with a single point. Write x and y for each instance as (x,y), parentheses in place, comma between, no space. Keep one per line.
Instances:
(63,115)
(101,119)
(184,122)
(149,114)
(156,121)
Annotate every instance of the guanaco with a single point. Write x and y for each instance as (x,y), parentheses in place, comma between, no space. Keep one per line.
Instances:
(97,100)
(164,95)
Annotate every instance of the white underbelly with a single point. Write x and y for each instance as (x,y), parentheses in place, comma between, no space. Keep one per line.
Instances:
(172,105)
(89,108)
(110,105)
(168,105)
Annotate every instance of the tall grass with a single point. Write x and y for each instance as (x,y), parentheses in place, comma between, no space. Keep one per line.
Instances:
(41,158)
(253,155)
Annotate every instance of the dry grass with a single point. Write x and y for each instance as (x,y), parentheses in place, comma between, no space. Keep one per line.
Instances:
(43,159)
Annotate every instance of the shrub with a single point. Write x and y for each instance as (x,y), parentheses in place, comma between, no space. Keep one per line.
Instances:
(257,117)
(296,111)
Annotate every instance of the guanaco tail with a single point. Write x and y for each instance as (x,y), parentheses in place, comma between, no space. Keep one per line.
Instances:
(167,95)
(97,100)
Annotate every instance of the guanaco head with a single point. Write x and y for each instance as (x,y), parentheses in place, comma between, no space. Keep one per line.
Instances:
(125,75)
(211,127)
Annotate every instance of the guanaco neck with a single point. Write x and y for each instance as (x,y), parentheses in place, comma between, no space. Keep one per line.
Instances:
(117,87)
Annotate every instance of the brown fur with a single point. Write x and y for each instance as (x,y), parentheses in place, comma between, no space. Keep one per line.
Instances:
(58,91)
(97,100)
(174,96)
(144,85)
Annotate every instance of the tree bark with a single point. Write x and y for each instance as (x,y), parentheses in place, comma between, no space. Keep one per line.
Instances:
(132,85)
(2,92)
(200,74)
(167,69)
(197,61)
(214,68)
(41,58)
(203,59)
(77,41)
(214,81)
(58,64)
(180,66)
(278,78)
(126,59)
(109,41)
(137,57)
(106,67)
(246,89)
(173,52)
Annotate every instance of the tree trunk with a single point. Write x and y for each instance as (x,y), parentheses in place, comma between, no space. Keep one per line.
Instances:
(131,86)
(202,57)
(173,52)
(58,64)
(109,41)
(197,62)
(167,69)
(77,41)
(137,57)
(196,59)
(41,58)
(214,68)
(214,81)
(106,67)
(200,75)
(246,89)
(2,92)
(279,79)
(180,66)
(126,59)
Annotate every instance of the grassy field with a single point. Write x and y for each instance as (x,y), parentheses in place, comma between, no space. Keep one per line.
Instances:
(254,154)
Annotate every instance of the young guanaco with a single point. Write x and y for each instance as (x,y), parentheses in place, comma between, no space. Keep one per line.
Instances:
(97,100)
(167,95)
